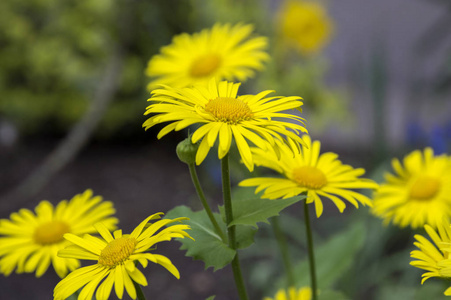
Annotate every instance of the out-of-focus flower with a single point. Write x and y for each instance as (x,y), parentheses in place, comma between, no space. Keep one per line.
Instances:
(434,257)
(30,241)
(418,193)
(116,256)
(226,116)
(308,171)
(292,293)
(304,25)
(224,52)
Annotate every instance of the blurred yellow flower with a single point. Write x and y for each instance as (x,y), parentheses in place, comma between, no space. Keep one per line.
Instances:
(418,193)
(116,256)
(226,116)
(308,171)
(224,52)
(31,241)
(434,257)
(304,25)
(304,293)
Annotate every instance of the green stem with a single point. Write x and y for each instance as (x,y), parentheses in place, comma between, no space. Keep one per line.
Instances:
(200,193)
(139,291)
(283,246)
(226,194)
(311,254)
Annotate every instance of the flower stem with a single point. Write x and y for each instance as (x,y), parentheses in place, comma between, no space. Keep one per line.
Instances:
(226,194)
(139,291)
(283,246)
(201,195)
(311,254)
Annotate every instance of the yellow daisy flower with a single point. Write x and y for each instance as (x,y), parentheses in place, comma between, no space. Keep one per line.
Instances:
(304,293)
(116,256)
(224,52)
(434,257)
(30,241)
(308,171)
(418,193)
(304,25)
(227,116)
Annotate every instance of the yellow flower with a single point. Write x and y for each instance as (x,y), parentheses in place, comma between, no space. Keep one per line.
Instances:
(304,25)
(224,52)
(116,256)
(31,241)
(227,116)
(308,171)
(419,193)
(304,293)
(434,257)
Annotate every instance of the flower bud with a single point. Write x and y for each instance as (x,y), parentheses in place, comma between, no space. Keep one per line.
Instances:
(186,151)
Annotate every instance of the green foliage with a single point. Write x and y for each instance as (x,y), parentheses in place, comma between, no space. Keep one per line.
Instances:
(54,54)
(334,257)
(331,295)
(250,212)
(207,245)
(50,56)
(211,298)
(429,290)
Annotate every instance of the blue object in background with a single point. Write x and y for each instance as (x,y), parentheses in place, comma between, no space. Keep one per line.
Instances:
(439,137)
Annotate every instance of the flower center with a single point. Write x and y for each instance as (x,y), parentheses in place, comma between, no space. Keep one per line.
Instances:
(309,177)
(51,232)
(117,251)
(205,65)
(424,188)
(229,110)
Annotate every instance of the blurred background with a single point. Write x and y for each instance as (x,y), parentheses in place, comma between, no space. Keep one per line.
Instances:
(73,93)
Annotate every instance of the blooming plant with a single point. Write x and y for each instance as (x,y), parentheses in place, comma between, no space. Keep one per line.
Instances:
(224,51)
(226,116)
(419,193)
(304,25)
(434,257)
(30,241)
(194,87)
(292,294)
(116,256)
(311,173)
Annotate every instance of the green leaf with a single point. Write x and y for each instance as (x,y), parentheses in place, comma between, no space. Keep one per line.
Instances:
(334,257)
(431,290)
(244,236)
(251,211)
(331,295)
(207,245)
(211,297)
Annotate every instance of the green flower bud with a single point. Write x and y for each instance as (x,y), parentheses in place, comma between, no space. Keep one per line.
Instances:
(186,150)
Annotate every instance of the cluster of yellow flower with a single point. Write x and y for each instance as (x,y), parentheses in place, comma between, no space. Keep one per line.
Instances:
(193,85)
(61,236)
(419,195)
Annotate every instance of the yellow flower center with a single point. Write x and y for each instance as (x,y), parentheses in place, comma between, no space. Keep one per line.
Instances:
(424,188)
(229,110)
(117,251)
(309,177)
(51,232)
(205,65)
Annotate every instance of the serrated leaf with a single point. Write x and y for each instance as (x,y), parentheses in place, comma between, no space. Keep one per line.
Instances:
(241,193)
(207,245)
(250,212)
(244,236)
